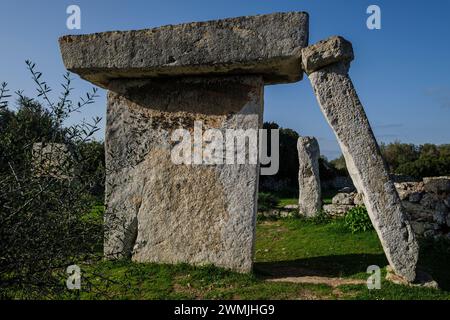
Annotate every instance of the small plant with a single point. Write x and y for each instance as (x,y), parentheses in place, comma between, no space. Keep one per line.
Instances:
(357,220)
(267,201)
(321,218)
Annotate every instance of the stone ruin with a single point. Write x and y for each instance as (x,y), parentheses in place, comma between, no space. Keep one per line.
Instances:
(426,201)
(428,204)
(166,78)
(52,160)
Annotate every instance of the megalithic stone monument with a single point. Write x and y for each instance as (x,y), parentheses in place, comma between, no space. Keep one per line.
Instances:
(163,79)
(327,64)
(213,73)
(310,193)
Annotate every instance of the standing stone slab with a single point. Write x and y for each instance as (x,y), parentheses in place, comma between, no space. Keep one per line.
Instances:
(159,211)
(310,194)
(342,108)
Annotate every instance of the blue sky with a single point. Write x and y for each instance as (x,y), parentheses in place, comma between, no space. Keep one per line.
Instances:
(401,72)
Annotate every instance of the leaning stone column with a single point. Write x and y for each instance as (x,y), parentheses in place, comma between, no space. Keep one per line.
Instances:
(327,64)
(195,76)
(310,194)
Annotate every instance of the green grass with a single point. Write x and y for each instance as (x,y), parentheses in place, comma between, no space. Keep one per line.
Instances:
(127,280)
(95,215)
(287,201)
(327,195)
(330,250)
(292,239)
(284,248)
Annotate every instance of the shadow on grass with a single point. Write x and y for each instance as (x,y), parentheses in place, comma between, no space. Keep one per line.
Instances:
(434,258)
(326,266)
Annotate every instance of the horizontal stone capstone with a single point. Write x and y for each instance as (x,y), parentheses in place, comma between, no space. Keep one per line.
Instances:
(266,45)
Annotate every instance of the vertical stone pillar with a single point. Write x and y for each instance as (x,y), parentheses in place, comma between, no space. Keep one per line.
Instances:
(327,64)
(310,193)
(208,74)
(160,211)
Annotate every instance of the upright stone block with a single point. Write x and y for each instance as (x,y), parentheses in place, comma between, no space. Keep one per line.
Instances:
(168,78)
(310,194)
(345,114)
(159,211)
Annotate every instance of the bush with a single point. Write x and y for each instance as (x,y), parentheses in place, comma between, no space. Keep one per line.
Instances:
(44,226)
(321,218)
(267,201)
(357,220)
(426,167)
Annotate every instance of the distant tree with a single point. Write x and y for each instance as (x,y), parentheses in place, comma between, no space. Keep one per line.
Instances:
(444,150)
(430,160)
(289,163)
(327,169)
(397,154)
(411,160)
(339,166)
(288,171)
(429,150)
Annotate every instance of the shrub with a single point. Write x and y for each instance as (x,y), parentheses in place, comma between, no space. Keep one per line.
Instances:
(267,201)
(43,223)
(357,220)
(321,218)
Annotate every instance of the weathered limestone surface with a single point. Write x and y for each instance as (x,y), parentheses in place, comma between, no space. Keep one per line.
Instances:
(326,52)
(310,194)
(437,184)
(344,198)
(267,45)
(162,212)
(337,210)
(52,160)
(344,112)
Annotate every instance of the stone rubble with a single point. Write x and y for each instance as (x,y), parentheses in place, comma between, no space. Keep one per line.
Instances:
(425,202)
(52,160)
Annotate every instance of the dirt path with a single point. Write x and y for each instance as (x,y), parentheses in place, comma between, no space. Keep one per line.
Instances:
(333,282)
(297,274)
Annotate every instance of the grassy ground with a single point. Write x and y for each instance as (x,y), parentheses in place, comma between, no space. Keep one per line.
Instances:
(327,195)
(287,201)
(284,248)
